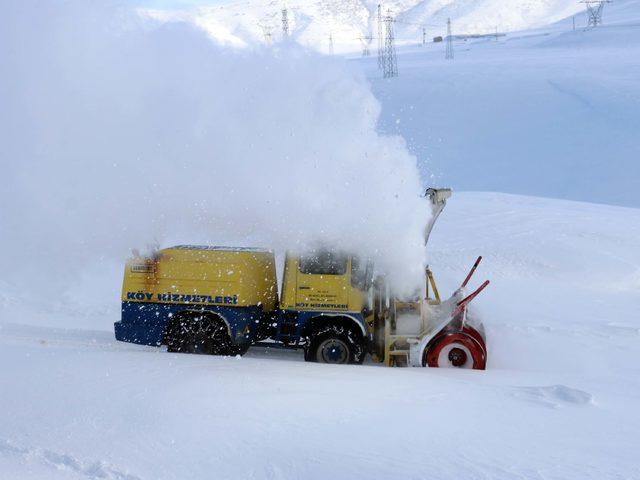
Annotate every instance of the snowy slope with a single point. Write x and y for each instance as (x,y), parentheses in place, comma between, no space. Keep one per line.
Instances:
(557,401)
(547,111)
(241,23)
(551,112)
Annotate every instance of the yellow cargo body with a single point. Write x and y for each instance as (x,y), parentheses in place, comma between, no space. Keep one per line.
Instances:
(236,285)
(230,277)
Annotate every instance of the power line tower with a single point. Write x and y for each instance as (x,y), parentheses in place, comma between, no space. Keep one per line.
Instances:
(449,50)
(366,41)
(594,11)
(330,43)
(285,23)
(389,62)
(380,47)
(266,32)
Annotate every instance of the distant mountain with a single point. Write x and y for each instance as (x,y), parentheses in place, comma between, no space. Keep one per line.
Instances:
(353,23)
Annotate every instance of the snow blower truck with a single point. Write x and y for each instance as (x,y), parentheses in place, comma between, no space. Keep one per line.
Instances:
(222,301)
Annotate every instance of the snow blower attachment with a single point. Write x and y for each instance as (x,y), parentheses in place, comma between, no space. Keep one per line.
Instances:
(428,331)
(222,301)
(431,332)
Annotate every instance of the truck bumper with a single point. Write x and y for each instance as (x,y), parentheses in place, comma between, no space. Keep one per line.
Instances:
(141,333)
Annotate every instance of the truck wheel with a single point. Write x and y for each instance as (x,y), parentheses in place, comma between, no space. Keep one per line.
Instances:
(239,349)
(334,344)
(196,333)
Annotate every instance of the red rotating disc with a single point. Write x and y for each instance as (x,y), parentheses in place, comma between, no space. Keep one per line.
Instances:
(476,335)
(459,350)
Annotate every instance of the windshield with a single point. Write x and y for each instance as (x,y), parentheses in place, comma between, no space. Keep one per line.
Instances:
(323,262)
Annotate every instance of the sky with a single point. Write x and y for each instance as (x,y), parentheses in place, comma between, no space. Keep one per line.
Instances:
(167,4)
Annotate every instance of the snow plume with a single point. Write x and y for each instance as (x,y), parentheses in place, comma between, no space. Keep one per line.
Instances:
(118,132)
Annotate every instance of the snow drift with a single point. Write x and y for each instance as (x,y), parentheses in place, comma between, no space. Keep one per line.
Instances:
(118,132)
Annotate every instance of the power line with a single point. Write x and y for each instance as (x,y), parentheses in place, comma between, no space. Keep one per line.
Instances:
(423,25)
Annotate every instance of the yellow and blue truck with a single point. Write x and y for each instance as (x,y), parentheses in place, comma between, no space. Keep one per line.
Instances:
(223,300)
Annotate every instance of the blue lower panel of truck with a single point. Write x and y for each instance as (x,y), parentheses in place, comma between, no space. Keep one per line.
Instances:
(145,322)
(293,323)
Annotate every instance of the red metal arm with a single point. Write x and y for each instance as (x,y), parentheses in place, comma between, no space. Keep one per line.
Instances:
(473,269)
(462,304)
(468,298)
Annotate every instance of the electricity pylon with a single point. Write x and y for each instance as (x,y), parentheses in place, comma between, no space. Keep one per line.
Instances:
(366,41)
(285,23)
(380,47)
(390,63)
(266,32)
(449,51)
(594,11)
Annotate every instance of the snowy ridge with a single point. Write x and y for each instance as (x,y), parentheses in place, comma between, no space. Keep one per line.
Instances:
(243,23)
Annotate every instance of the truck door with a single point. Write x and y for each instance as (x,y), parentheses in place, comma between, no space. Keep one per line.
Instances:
(323,281)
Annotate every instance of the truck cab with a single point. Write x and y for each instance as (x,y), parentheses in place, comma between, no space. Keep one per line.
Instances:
(325,305)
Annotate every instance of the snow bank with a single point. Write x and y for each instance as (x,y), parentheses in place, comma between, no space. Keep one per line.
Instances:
(118,132)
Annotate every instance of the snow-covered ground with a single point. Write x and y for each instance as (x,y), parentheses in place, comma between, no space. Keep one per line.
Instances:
(549,112)
(558,400)
(546,112)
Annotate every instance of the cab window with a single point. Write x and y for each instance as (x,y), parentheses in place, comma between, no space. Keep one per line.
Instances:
(361,273)
(323,263)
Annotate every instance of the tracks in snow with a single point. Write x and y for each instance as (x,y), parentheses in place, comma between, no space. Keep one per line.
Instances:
(64,462)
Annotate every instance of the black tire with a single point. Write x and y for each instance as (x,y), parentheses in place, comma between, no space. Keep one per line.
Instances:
(334,344)
(195,332)
(239,349)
